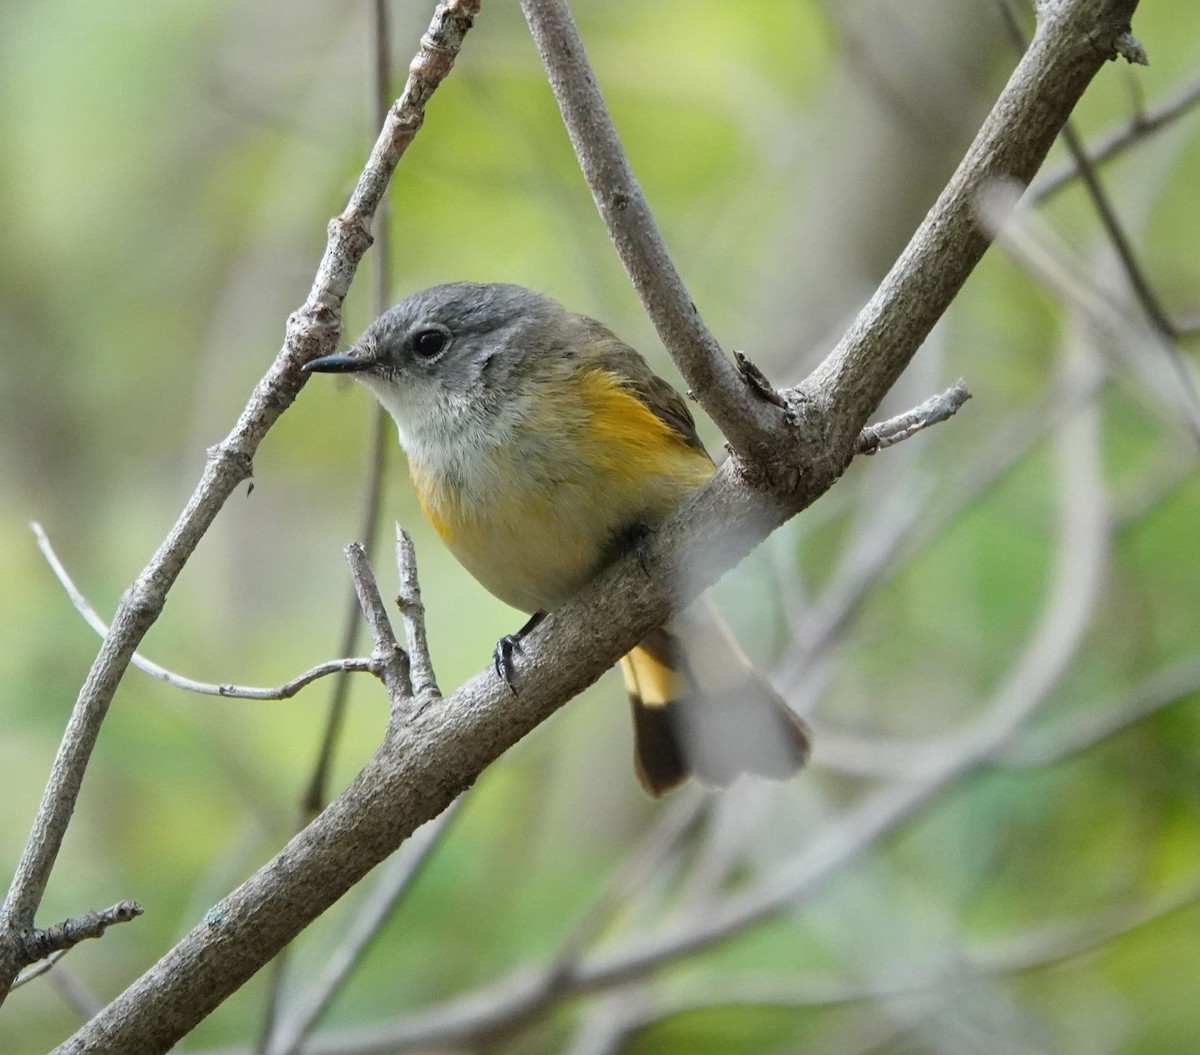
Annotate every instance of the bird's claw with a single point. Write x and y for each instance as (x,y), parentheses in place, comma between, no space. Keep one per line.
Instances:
(502,656)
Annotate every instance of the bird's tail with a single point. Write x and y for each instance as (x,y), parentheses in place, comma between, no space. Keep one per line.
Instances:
(700,708)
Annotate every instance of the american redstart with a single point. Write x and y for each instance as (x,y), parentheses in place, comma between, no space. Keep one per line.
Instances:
(539,445)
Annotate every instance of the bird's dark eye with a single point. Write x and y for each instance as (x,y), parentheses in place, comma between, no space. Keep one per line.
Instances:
(430,341)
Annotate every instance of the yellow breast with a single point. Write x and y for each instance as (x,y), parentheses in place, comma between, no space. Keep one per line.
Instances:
(535,514)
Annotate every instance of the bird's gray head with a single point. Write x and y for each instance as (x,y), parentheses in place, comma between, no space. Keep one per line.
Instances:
(452,351)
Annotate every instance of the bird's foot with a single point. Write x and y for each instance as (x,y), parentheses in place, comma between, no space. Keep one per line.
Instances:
(502,657)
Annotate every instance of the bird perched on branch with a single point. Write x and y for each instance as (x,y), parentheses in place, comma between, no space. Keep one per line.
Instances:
(539,444)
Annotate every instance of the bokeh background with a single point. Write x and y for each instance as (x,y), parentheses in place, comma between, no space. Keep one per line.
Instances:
(1025,573)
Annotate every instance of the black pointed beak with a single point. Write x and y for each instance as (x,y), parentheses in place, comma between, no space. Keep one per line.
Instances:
(347,362)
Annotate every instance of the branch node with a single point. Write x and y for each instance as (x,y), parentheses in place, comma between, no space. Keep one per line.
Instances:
(142,601)
(1130,49)
(757,381)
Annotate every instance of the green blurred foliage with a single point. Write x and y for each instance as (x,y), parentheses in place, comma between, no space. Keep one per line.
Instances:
(165,187)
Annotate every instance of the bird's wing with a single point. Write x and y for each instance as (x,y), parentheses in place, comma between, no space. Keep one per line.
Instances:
(659,396)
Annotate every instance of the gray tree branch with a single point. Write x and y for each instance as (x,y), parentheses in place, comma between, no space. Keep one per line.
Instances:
(706,368)
(203,688)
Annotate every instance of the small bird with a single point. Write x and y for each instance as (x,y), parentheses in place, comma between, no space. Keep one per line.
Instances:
(539,445)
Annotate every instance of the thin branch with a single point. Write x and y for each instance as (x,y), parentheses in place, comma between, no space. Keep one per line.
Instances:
(884,548)
(312,331)
(1154,487)
(204,688)
(1160,690)
(75,993)
(391,658)
(36,972)
(412,612)
(316,791)
(38,944)
(639,865)
(1116,141)
(733,820)
(902,760)
(704,365)
(609,1022)
(934,410)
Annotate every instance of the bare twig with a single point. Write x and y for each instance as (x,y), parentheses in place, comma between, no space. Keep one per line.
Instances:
(391,659)
(934,410)
(412,612)
(39,944)
(707,369)
(36,972)
(608,1023)
(1154,487)
(75,993)
(732,821)
(316,791)
(893,760)
(646,858)
(204,688)
(312,331)
(882,550)
(1144,123)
